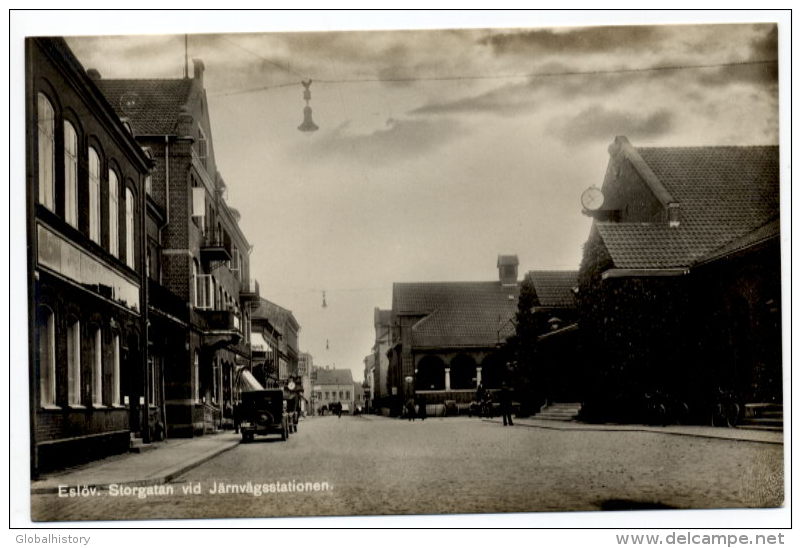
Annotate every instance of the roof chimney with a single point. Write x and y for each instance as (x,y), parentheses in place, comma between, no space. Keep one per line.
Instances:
(507,269)
(199,68)
(94,74)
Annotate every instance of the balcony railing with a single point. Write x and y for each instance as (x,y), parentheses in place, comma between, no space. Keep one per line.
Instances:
(218,320)
(215,246)
(249,291)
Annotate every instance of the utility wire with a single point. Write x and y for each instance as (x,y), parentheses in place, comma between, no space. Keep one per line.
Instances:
(531,75)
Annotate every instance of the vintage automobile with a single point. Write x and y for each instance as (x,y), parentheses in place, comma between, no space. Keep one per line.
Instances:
(264,412)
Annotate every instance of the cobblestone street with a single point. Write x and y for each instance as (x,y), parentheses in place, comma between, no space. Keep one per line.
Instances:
(387,466)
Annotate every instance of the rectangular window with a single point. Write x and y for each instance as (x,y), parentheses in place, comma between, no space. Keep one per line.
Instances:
(94,195)
(215,385)
(113,214)
(46,331)
(205,292)
(115,370)
(74,363)
(70,174)
(46,123)
(97,369)
(234,263)
(196,379)
(130,210)
(148,184)
(202,147)
(347,394)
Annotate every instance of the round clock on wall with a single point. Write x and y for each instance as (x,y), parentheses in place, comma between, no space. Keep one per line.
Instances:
(592,199)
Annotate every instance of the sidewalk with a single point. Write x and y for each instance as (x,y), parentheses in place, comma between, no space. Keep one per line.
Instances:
(714,432)
(167,460)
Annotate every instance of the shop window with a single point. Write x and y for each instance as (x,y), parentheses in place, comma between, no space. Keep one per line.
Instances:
(94,195)
(74,363)
(46,332)
(70,174)
(115,370)
(97,368)
(46,123)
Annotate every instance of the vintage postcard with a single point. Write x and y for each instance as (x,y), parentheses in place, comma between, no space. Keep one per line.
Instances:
(448,271)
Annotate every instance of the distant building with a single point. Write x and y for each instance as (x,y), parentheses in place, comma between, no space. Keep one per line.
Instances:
(680,285)
(379,389)
(305,366)
(288,348)
(333,386)
(445,336)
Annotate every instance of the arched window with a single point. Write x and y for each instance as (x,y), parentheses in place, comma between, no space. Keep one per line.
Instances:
(70,174)
(113,214)
(46,332)
(74,363)
(130,208)
(94,195)
(46,123)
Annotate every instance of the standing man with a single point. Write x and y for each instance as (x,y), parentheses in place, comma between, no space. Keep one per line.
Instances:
(506,405)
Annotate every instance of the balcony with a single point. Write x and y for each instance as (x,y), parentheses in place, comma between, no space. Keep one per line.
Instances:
(215,246)
(220,328)
(164,300)
(249,292)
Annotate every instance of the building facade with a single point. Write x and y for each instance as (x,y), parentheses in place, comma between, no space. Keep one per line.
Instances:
(288,344)
(198,256)
(333,385)
(446,337)
(86,265)
(679,287)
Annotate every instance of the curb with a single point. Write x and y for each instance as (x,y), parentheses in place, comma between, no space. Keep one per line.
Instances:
(647,431)
(162,478)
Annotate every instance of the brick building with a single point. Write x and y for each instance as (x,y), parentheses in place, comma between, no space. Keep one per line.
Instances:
(445,336)
(378,370)
(86,265)
(679,287)
(288,344)
(198,256)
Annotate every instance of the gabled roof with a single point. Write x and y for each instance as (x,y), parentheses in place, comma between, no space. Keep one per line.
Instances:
(555,287)
(459,314)
(151,105)
(334,376)
(724,193)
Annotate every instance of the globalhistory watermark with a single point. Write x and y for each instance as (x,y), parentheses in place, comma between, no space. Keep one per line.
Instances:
(52,538)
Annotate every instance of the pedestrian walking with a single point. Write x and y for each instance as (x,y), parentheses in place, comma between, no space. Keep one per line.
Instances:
(410,414)
(237,416)
(422,413)
(506,405)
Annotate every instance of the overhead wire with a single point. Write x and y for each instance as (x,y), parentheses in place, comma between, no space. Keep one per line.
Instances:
(530,75)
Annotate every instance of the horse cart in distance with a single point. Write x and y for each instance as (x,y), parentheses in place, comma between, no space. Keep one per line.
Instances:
(264,412)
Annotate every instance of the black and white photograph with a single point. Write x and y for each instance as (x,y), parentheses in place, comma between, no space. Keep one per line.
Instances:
(519,269)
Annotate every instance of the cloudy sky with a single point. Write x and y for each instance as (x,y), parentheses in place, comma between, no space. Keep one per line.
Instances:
(438,150)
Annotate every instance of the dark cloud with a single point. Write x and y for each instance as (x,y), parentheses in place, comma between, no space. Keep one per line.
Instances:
(579,40)
(766,46)
(599,123)
(399,140)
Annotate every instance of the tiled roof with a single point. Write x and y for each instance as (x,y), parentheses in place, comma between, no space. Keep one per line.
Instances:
(151,105)
(761,234)
(724,194)
(334,376)
(555,287)
(457,313)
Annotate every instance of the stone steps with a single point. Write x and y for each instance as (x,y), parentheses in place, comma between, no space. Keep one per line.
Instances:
(559,412)
(763,416)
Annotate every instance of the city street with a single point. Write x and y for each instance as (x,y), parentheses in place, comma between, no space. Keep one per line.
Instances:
(373,465)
